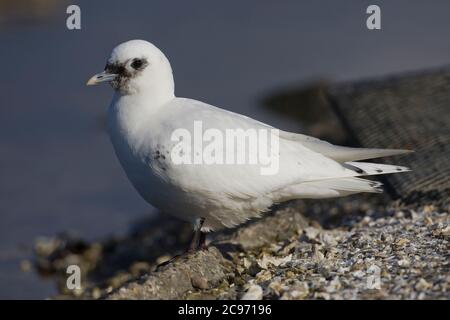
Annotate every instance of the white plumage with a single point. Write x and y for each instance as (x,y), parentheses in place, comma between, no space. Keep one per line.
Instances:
(144,113)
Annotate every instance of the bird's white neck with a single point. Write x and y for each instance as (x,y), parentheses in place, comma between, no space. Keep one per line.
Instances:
(149,99)
(137,105)
(129,113)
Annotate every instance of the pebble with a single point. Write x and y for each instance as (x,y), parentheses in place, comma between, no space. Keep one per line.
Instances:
(422,285)
(311,233)
(199,282)
(254,292)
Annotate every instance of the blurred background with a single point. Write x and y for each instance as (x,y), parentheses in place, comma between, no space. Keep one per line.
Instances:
(58,172)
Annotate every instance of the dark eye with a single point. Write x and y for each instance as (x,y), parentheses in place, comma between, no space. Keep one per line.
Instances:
(137,63)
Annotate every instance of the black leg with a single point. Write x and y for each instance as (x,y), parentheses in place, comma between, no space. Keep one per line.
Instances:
(198,237)
(202,241)
(198,242)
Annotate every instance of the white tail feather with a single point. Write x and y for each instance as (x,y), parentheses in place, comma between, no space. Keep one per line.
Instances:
(348,185)
(327,189)
(339,153)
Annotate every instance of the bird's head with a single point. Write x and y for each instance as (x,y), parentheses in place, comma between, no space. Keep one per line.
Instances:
(137,67)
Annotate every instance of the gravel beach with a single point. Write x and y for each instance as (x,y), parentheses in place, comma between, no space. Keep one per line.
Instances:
(365,247)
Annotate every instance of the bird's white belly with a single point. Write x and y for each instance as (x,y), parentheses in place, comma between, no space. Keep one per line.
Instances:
(147,171)
(145,164)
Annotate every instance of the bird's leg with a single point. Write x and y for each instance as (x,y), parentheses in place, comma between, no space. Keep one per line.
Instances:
(198,242)
(202,241)
(199,237)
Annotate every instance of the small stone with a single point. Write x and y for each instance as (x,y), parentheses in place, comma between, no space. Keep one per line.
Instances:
(359,274)
(322,295)
(96,293)
(427,220)
(403,263)
(329,239)
(422,285)
(255,292)
(247,263)
(300,290)
(140,267)
(289,248)
(199,282)
(334,285)
(254,269)
(401,242)
(267,260)
(263,275)
(414,215)
(162,259)
(311,233)
(317,255)
(429,209)
(366,220)
(274,247)
(399,214)
(324,270)
(442,231)
(277,287)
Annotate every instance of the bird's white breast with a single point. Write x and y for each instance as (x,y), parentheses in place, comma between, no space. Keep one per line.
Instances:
(142,151)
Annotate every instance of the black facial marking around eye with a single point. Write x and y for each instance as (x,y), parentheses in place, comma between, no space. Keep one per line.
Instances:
(137,64)
(115,68)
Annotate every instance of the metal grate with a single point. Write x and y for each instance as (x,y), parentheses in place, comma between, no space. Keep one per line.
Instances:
(412,112)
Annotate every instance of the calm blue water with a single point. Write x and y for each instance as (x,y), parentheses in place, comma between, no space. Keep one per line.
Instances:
(57,168)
